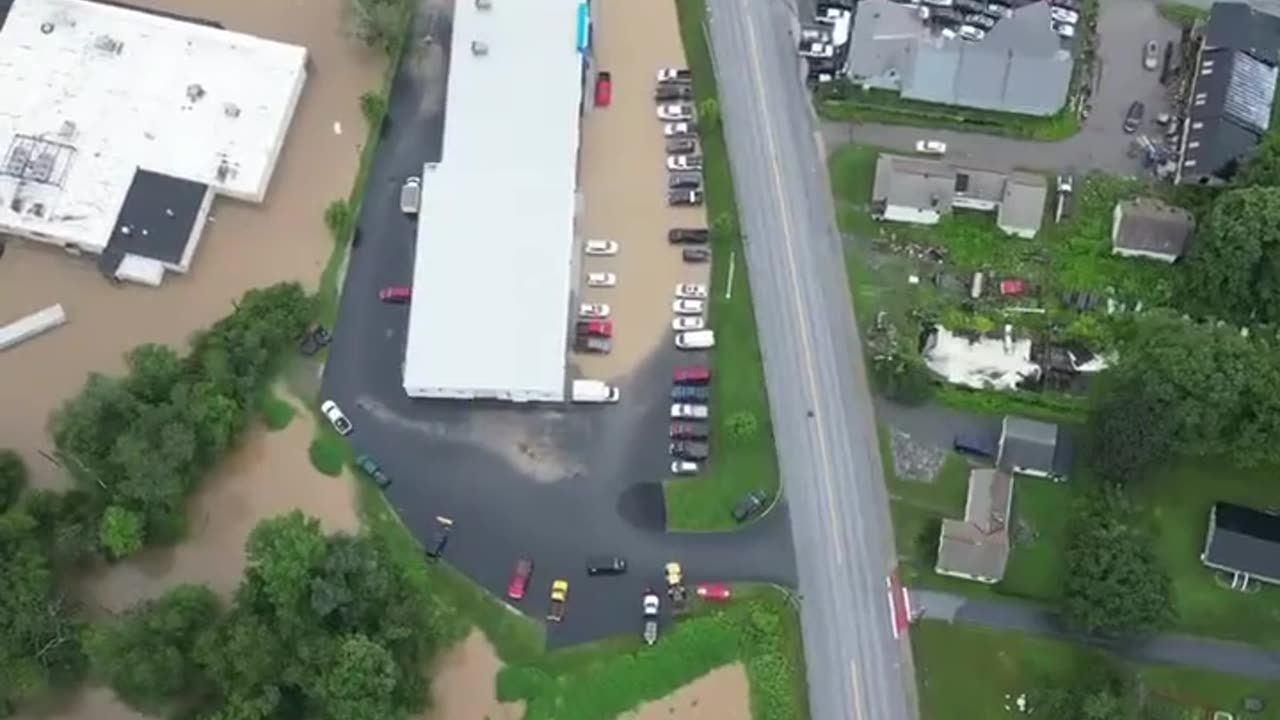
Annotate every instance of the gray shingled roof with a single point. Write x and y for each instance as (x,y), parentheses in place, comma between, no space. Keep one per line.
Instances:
(1148,225)
(913,182)
(1022,207)
(978,546)
(1243,539)
(1028,444)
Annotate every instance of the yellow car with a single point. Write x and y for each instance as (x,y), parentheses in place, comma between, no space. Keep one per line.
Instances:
(675,576)
(559,598)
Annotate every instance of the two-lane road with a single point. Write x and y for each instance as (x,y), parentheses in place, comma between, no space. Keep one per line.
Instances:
(820,402)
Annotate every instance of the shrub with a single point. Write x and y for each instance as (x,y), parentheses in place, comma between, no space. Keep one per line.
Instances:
(277,412)
(327,454)
(338,217)
(13,478)
(373,105)
(743,425)
(122,532)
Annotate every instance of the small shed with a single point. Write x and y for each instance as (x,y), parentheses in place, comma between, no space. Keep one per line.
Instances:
(1033,447)
(1149,228)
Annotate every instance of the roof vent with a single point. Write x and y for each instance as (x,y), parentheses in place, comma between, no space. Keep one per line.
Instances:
(484,4)
(108,44)
(479,48)
(46,28)
(231,110)
(195,91)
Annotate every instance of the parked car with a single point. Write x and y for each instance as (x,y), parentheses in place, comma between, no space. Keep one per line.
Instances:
(695,375)
(601,279)
(674,75)
(750,506)
(689,450)
(689,411)
(606,565)
(678,129)
(1013,287)
(981,445)
(695,255)
(593,310)
(675,111)
(978,20)
(714,592)
(682,146)
(1151,55)
(1133,118)
(1068,4)
(691,290)
(339,421)
(997,9)
(600,247)
(696,340)
(688,236)
(686,306)
(666,92)
(690,393)
(604,88)
(395,295)
(439,537)
(685,467)
(370,467)
(520,579)
(690,180)
(816,49)
(973,33)
(1063,15)
(688,431)
(684,162)
(682,323)
(411,195)
(684,198)
(593,345)
(1066,30)
(1066,184)
(594,328)
(931,147)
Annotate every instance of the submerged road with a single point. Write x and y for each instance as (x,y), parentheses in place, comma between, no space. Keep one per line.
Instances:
(821,405)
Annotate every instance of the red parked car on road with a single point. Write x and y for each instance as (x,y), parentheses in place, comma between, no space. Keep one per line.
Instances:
(520,579)
(395,294)
(595,328)
(604,89)
(692,376)
(715,592)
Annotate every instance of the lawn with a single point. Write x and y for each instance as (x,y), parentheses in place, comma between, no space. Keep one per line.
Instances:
(740,464)
(1012,664)
(277,412)
(1181,14)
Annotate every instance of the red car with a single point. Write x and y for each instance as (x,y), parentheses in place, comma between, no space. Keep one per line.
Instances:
(596,328)
(715,592)
(688,431)
(1012,287)
(395,294)
(692,376)
(520,579)
(604,89)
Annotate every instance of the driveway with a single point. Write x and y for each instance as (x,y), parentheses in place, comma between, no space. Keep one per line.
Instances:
(551,483)
(1124,26)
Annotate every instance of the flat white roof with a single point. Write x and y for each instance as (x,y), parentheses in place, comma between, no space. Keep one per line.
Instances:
(89,93)
(494,262)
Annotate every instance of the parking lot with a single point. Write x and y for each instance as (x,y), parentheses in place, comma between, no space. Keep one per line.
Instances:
(623,177)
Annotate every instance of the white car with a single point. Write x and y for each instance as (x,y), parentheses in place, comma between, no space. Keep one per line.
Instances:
(677,129)
(689,411)
(675,111)
(600,247)
(931,147)
(688,307)
(601,279)
(691,290)
(685,467)
(681,323)
(684,162)
(972,32)
(1065,30)
(336,418)
(1061,14)
(411,196)
(593,310)
(674,75)
(817,50)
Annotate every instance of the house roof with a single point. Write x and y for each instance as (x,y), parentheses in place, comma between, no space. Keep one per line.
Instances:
(1244,540)
(978,545)
(1148,225)
(980,184)
(1029,444)
(1022,204)
(884,43)
(913,182)
(1215,146)
(1237,26)
(1237,86)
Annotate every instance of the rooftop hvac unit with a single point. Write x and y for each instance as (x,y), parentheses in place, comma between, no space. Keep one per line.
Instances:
(484,4)
(479,48)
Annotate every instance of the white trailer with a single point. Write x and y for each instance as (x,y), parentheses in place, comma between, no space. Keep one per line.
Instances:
(594,391)
(24,329)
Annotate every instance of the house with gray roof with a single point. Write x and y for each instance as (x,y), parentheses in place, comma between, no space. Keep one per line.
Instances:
(1022,204)
(1020,66)
(1033,447)
(922,191)
(1148,228)
(977,547)
(913,190)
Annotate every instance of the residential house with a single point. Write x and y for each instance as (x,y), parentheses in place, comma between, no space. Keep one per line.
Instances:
(1232,92)
(1033,447)
(921,191)
(1244,542)
(1149,228)
(977,547)
(1020,66)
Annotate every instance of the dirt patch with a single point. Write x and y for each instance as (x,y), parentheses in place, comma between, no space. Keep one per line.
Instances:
(464,684)
(245,246)
(624,181)
(722,694)
(89,703)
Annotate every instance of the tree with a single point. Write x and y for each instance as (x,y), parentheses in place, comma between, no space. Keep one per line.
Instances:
(13,478)
(902,377)
(1114,583)
(1130,430)
(724,228)
(709,113)
(373,105)
(379,23)
(122,532)
(1263,168)
(743,425)
(1233,272)
(358,682)
(148,656)
(1098,691)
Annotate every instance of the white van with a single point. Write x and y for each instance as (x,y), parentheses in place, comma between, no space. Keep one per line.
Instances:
(696,340)
(594,391)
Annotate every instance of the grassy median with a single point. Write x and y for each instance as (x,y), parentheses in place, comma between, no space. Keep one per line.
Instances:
(744,458)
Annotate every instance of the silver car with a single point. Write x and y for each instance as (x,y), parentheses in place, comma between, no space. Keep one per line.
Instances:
(411,196)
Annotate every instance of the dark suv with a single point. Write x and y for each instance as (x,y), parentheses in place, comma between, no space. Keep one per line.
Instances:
(667,92)
(684,198)
(1133,118)
(690,393)
(688,236)
(750,506)
(689,450)
(690,180)
(606,565)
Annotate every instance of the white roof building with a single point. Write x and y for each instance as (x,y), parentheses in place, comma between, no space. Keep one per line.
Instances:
(118,126)
(494,265)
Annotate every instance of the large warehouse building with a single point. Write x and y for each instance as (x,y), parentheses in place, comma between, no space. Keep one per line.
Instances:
(494,265)
(119,126)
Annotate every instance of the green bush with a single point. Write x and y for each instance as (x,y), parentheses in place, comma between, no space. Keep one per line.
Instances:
(743,425)
(277,412)
(328,455)
(13,478)
(373,105)
(122,532)
(338,217)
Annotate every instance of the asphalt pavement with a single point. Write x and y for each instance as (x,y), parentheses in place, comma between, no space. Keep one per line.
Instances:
(821,405)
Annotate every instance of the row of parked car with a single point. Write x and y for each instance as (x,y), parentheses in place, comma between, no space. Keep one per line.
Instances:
(674,95)
(593,331)
(690,411)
